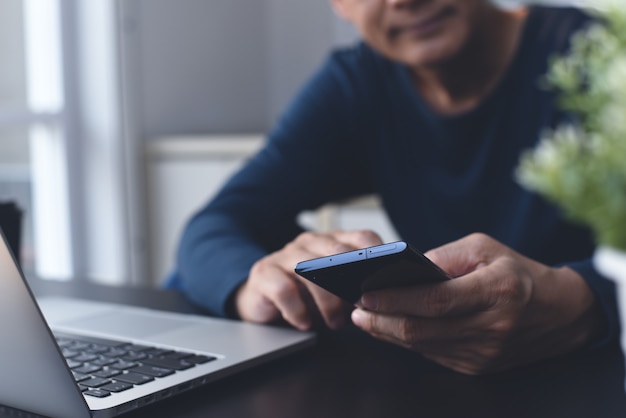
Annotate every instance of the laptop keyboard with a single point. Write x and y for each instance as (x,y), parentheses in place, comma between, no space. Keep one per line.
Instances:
(101,366)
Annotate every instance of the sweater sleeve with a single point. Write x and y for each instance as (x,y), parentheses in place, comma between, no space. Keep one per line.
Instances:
(604,290)
(307,161)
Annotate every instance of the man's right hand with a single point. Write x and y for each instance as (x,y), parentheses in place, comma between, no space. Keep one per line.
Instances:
(274,291)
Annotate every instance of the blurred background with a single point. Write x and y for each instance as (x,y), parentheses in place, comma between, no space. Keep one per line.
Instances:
(119,118)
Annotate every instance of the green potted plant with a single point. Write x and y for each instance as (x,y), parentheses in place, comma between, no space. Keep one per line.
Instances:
(581,166)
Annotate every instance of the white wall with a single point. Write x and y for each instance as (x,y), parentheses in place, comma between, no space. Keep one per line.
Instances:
(222,66)
(202,65)
(183,173)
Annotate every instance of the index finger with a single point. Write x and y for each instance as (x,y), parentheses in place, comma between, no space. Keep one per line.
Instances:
(467,254)
(454,297)
(313,245)
(357,238)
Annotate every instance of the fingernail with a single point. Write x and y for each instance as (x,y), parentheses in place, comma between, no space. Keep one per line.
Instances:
(304,325)
(358,317)
(368,301)
(336,323)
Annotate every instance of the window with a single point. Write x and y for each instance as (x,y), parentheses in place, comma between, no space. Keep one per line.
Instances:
(64,157)
(32,142)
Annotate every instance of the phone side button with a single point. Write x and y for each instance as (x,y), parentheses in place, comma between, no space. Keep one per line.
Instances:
(382,248)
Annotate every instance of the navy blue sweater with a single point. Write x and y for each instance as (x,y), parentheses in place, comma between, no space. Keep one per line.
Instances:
(360,127)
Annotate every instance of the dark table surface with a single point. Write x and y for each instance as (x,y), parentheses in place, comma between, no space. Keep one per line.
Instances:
(349,374)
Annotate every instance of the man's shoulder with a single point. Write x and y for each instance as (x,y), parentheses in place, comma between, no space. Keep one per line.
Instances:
(554,25)
(560,12)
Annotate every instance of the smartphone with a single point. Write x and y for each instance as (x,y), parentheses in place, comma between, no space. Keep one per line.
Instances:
(349,275)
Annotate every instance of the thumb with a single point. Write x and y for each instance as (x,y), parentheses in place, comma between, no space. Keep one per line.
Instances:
(465,255)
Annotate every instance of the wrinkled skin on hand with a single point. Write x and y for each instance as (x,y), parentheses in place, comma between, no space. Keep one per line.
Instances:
(502,310)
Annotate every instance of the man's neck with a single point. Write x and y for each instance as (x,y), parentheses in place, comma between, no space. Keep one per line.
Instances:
(460,85)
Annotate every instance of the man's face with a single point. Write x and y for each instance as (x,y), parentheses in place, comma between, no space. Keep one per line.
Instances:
(415,32)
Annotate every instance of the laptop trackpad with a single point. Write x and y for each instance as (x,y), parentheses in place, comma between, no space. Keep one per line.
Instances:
(133,324)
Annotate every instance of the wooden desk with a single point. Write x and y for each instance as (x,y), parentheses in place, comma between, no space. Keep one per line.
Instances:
(348,374)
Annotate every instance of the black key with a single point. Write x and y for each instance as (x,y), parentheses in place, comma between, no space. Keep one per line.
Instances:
(117,386)
(63,342)
(168,363)
(87,369)
(153,371)
(85,357)
(178,355)
(134,378)
(199,359)
(89,340)
(104,361)
(97,349)
(115,352)
(136,347)
(79,376)
(123,365)
(95,382)
(72,364)
(134,356)
(98,393)
(67,353)
(158,352)
(106,373)
(77,345)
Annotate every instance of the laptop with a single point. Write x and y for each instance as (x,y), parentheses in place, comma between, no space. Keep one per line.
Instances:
(72,358)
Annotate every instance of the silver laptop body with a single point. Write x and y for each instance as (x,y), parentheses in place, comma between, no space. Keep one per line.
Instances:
(37,378)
